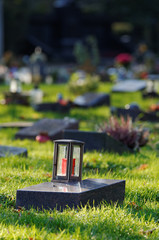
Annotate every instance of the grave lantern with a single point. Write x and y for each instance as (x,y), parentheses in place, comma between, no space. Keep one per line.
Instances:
(67,162)
(67,189)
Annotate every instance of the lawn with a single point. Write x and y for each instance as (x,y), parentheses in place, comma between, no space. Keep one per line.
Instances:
(136,218)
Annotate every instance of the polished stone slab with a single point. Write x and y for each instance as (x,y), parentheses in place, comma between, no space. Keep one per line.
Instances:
(9,150)
(132,85)
(53,127)
(91,99)
(50,195)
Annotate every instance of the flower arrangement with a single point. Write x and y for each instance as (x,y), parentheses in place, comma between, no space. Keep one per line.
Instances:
(123,59)
(42,137)
(123,130)
(81,82)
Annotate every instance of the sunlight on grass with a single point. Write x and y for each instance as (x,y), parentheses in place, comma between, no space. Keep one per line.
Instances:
(136,218)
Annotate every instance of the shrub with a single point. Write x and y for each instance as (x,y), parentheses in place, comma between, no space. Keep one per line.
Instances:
(124,131)
(81,82)
(87,50)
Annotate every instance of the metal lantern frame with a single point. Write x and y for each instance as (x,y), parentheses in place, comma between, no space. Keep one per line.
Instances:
(70,144)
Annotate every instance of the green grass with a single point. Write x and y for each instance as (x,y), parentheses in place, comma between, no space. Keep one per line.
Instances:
(136,218)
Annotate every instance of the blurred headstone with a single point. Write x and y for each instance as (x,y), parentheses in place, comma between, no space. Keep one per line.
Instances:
(36,95)
(92,99)
(8,151)
(132,85)
(53,127)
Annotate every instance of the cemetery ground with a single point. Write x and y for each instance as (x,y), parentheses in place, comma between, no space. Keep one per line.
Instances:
(136,218)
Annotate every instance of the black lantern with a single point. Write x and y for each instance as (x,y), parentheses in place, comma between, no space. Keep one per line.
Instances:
(68,158)
(67,189)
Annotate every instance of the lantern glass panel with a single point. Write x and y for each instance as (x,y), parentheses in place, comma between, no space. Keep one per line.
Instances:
(62,160)
(76,161)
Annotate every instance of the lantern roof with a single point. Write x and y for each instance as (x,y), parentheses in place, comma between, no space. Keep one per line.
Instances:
(68,141)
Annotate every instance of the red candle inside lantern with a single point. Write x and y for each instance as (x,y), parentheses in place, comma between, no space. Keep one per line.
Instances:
(73,167)
(64,166)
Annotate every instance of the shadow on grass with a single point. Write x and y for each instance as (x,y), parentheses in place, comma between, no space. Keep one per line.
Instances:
(140,199)
(143,194)
(70,221)
(141,210)
(106,167)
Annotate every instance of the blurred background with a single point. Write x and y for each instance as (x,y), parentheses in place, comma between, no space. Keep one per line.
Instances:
(41,35)
(56,25)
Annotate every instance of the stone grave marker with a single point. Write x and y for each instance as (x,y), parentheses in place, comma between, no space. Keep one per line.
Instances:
(21,98)
(16,124)
(49,195)
(9,150)
(98,141)
(49,106)
(133,113)
(132,85)
(67,189)
(53,127)
(92,99)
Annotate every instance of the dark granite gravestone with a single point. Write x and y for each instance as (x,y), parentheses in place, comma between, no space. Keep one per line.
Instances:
(133,113)
(16,124)
(132,85)
(17,98)
(48,106)
(53,127)
(50,195)
(67,189)
(152,94)
(136,114)
(92,99)
(96,141)
(8,150)
(150,116)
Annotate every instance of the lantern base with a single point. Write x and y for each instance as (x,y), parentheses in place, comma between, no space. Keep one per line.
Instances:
(50,195)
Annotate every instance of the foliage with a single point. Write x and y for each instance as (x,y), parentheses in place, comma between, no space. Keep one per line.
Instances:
(87,51)
(81,82)
(125,132)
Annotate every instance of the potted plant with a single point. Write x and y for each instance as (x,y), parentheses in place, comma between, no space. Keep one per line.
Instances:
(116,136)
(123,131)
(123,66)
